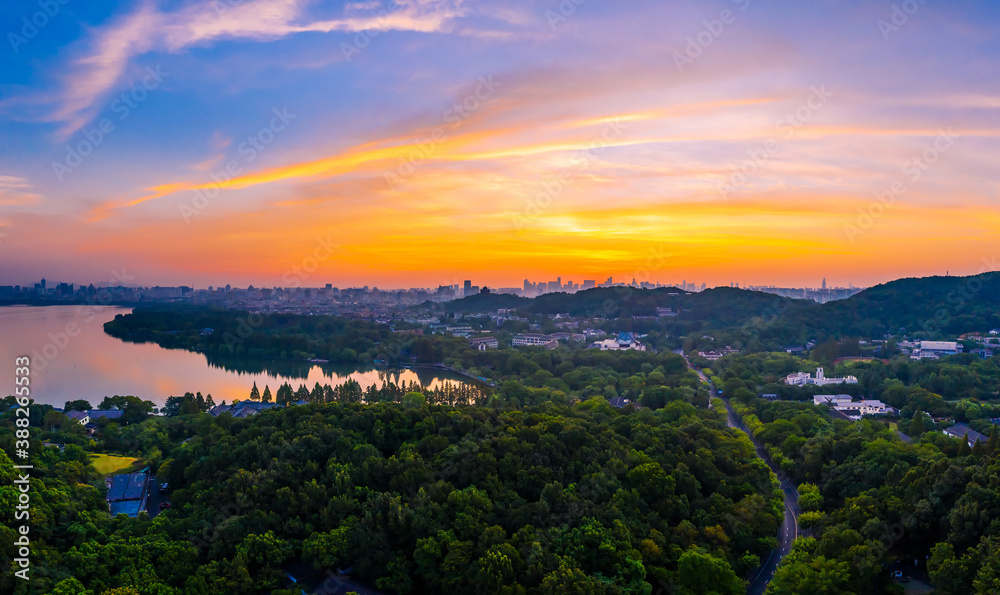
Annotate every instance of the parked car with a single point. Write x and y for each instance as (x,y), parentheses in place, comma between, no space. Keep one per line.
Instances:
(164,505)
(164,487)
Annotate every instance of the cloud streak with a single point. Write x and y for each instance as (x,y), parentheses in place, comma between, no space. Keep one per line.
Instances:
(106,55)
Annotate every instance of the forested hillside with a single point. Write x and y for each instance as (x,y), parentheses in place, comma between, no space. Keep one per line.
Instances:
(419,499)
(870,497)
(931,306)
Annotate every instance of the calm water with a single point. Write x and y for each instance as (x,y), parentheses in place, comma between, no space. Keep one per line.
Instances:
(91,365)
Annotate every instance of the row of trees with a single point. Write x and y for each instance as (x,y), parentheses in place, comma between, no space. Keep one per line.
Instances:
(350,391)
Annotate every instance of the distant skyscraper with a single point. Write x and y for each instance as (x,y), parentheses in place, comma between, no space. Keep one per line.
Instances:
(589,284)
(824,282)
(467,288)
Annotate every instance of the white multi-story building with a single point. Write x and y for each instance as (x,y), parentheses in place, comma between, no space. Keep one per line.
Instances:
(533,340)
(803,379)
(462,330)
(859,409)
(938,348)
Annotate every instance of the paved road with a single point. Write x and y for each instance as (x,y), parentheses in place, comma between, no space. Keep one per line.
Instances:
(790,524)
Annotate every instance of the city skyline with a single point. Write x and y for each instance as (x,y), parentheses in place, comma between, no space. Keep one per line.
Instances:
(122,279)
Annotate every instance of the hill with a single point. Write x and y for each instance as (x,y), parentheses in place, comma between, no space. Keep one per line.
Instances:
(925,307)
(719,308)
(929,307)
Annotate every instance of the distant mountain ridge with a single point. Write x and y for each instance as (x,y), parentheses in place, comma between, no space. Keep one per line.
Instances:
(930,305)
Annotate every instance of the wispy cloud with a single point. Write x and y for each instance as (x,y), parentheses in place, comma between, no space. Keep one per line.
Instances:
(104,57)
(16,191)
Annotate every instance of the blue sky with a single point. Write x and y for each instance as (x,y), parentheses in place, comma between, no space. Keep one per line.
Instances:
(599,133)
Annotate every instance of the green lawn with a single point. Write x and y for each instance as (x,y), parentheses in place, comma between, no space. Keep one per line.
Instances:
(111,464)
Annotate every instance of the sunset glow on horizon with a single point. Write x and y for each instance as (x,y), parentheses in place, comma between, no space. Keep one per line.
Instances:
(429,142)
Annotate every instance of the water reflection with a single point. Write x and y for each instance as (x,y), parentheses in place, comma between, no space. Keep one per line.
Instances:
(91,364)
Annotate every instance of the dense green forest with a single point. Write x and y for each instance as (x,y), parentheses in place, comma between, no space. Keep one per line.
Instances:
(234,332)
(868,497)
(418,498)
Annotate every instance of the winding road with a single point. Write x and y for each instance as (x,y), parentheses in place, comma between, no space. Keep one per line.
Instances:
(790,523)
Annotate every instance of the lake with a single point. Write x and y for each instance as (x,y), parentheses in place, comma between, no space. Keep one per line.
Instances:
(72,358)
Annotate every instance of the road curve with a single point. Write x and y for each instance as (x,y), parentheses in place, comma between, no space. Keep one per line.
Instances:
(790,523)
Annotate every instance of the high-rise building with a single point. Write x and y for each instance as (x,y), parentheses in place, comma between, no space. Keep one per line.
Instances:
(588,284)
(468,287)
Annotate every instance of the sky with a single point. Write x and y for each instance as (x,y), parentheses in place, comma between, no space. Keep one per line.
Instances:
(424,142)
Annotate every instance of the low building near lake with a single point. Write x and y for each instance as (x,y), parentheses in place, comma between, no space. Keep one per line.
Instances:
(964,431)
(114,413)
(243,408)
(127,493)
(82,417)
(484,343)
